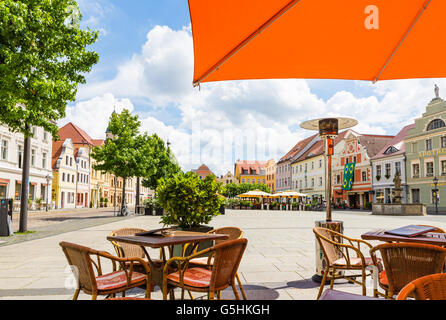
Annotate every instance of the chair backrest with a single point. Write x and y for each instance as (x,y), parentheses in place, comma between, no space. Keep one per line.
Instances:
(431,287)
(234,233)
(327,240)
(227,257)
(405,262)
(79,257)
(127,250)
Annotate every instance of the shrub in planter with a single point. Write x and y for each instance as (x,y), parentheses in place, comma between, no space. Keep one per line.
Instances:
(189,203)
(274,205)
(295,205)
(246,204)
(148,206)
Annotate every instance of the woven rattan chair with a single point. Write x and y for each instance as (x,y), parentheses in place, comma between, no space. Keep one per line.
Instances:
(91,279)
(127,250)
(233,233)
(405,262)
(431,287)
(226,258)
(343,257)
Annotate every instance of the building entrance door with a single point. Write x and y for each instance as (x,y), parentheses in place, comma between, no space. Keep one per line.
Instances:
(2,192)
(353,201)
(415,195)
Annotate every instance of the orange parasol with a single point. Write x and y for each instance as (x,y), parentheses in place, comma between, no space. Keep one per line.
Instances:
(318,39)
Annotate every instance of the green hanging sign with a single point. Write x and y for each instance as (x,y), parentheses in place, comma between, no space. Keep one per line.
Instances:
(349,173)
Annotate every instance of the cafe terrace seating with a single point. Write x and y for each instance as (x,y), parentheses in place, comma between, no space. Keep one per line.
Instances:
(91,279)
(226,259)
(343,256)
(405,262)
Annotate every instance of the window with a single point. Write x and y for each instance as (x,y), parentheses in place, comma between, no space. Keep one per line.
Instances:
(258,180)
(300,168)
(435,194)
(20,156)
(33,157)
(312,165)
(443,142)
(364,176)
(387,170)
(72,178)
(338,179)
(4,150)
(391,150)
(320,163)
(44,155)
(436,124)
(378,170)
(354,159)
(320,181)
(300,184)
(428,144)
(398,168)
(71,162)
(414,147)
(415,170)
(312,182)
(443,167)
(429,169)
(63,176)
(45,136)
(415,195)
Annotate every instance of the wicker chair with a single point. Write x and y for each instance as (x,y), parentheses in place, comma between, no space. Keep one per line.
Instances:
(343,257)
(226,258)
(233,233)
(127,250)
(431,287)
(97,283)
(405,262)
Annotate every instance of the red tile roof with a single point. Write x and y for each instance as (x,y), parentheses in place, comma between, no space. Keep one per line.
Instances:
(57,149)
(76,134)
(251,165)
(98,142)
(397,142)
(297,148)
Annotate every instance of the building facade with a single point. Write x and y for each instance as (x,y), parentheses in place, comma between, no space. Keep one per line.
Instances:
(227,179)
(390,161)
(426,157)
(271,175)
(358,149)
(283,168)
(11,164)
(64,174)
(250,171)
(203,171)
(308,172)
(82,156)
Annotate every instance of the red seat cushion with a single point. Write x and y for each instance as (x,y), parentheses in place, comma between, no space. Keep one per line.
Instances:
(203,261)
(383,278)
(357,262)
(194,277)
(117,280)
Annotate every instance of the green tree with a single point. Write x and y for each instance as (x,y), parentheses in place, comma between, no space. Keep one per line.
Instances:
(43,58)
(163,164)
(125,153)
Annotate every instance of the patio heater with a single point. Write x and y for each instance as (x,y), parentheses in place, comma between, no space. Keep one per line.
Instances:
(328,130)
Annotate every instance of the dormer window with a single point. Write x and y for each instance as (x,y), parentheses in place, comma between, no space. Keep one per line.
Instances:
(391,150)
(436,124)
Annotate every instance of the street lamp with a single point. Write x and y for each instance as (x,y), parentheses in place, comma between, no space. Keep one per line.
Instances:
(436,194)
(328,130)
(48,178)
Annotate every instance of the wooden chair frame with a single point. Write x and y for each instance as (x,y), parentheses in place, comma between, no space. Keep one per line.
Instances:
(431,287)
(181,264)
(92,288)
(345,251)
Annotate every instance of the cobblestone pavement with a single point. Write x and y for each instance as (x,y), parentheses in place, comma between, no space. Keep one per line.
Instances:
(278,263)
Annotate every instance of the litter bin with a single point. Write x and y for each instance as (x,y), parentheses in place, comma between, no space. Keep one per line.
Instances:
(6,217)
(321,263)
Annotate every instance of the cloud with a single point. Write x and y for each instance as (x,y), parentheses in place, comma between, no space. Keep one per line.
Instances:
(226,121)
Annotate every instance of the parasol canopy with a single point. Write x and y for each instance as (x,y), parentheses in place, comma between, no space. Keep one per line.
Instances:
(254,194)
(318,39)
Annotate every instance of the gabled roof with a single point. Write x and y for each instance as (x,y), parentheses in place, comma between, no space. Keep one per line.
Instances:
(98,142)
(374,143)
(250,165)
(297,148)
(76,134)
(397,143)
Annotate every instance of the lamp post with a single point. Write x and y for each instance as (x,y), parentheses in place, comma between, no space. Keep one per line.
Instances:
(436,194)
(114,198)
(328,130)
(48,178)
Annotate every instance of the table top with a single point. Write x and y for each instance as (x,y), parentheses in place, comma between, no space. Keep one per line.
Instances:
(179,237)
(427,238)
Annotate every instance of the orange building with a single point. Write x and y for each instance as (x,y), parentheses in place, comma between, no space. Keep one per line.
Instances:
(203,171)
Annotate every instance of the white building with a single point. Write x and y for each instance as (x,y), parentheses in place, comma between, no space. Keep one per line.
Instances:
(11,162)
(389,161)
(83,177)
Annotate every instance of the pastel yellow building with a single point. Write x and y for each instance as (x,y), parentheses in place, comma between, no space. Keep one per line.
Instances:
(250,171)
(271,175)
